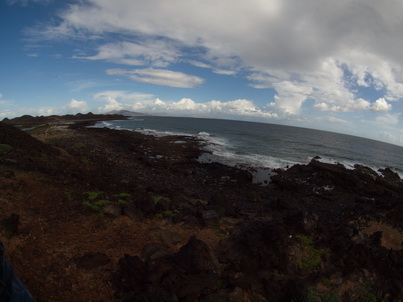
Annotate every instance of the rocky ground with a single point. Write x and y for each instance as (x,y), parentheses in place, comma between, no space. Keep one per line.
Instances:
(102,215)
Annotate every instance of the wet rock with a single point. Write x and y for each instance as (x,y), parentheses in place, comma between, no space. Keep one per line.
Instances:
(93,260)
(389,175)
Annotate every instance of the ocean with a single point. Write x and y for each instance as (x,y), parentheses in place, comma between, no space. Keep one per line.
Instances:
(268,146)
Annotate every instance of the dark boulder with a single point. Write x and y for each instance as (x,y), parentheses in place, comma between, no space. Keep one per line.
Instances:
(190,273)
(9,225)
(92,260)
(130,278)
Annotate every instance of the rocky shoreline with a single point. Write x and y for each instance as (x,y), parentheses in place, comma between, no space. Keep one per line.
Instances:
(94,214)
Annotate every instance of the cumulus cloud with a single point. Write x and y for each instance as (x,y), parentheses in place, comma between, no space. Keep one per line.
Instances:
(183,107)
(159,77)
(77,106)
(290,96)
(380,105)
(46,111)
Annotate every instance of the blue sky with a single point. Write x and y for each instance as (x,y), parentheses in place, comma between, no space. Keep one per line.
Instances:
(330,65)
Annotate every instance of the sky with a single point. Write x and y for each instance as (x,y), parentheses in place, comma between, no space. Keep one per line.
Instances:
(328,65)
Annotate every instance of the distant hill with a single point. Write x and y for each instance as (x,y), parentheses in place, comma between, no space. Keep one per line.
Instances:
(126,113)
(27,121)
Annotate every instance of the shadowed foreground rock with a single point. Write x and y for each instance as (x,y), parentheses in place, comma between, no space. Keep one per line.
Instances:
(186,275)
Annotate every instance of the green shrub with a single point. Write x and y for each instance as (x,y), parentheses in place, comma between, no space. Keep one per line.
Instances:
(122,202)
(304,239)
(122,195)
(366,296)
(93,195)
(97,206)
(195,201)
(69,196)
(77,146)
(158,198)
(313,296)
(311,256)
(5,147)
(97,200)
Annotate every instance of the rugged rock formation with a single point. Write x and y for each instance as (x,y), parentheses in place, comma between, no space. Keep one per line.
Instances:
(102,214)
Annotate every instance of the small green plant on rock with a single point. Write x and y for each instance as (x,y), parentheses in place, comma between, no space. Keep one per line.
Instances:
(122,198)
(97,200)
(305,239)
(311,256)
(166,214)
(366,296)
(97,206)
(93,195)
(158,198)
(69,196)
(195,201)
(5,147)
(313,296)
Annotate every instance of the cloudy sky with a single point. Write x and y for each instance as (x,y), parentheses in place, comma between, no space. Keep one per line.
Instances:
(331,65)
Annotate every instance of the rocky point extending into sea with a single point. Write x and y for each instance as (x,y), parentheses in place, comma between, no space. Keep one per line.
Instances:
(95,214)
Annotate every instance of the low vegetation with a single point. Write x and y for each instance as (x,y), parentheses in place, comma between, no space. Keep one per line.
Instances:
(97,200)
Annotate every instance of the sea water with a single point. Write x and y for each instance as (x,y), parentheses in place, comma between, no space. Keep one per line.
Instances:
(268,146)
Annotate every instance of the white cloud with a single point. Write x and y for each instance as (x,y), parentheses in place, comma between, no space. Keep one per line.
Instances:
(77,106)
(117,100)
(158,53)
(334,119)
(184,107)
(79,85)
(380,105)
(215,70)
(6,108)
(46,111)
(290,96)
(353,105)
(286,44)
(388,119)
(393,138)
(159,77)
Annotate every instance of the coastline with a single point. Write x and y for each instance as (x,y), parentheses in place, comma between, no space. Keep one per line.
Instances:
(235,144)
(252,241)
